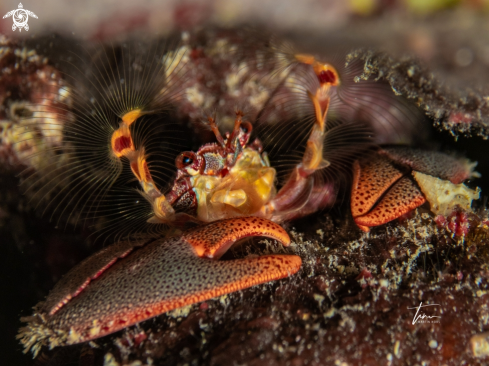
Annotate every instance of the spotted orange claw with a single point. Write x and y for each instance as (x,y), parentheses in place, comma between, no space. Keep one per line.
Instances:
(384,189)
(133,281)
(381,194)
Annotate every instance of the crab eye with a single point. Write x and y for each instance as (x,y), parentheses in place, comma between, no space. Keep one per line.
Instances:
(245,127)
(185,159)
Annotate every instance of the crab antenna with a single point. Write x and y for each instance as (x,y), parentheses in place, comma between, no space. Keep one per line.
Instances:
(235,134)
(212,123)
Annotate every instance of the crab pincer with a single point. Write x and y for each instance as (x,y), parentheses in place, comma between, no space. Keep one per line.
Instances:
(133,281)
(397,180)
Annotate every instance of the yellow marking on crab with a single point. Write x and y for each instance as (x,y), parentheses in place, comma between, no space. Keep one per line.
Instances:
(141,171)
(313,156)
(144,173)
(263,186)
(192,171)
(248,158)
(305,58)
(205,182)
(131,116)
(234,198)
(443,195)
(242,192)
(162,209)
(73,336)
(202,207)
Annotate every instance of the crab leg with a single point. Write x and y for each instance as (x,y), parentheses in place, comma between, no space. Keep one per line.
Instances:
(298,191)
(327,77)
(313,156)
(114,288)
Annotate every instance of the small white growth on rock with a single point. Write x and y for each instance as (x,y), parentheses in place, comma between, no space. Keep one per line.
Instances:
(224,300)
(174,61)
(109,360)
(37,334)
(180,312)
(319,298)
(397,346)
(479,344)
(443,195)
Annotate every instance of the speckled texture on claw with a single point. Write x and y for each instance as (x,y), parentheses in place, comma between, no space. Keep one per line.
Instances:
(370,182)
(160,276)
(212,240)
(434,163)
(383,189)
(403,197)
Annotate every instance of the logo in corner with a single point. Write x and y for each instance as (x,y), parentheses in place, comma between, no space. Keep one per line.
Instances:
(20,16)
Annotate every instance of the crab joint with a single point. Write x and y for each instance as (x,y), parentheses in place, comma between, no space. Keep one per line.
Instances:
(121,142)
(123,146)
(325,72)
(162,210)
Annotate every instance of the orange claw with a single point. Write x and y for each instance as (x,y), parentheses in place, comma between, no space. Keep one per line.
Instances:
(381,194)
(401,198)
(213,240)
(370,181)
(120,286)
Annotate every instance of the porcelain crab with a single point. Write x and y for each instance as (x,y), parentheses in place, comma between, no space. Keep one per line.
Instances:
(230,186)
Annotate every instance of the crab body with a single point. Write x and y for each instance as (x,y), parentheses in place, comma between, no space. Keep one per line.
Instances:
(225,180)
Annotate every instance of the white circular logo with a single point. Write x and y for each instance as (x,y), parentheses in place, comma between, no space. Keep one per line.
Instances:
(20,17)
